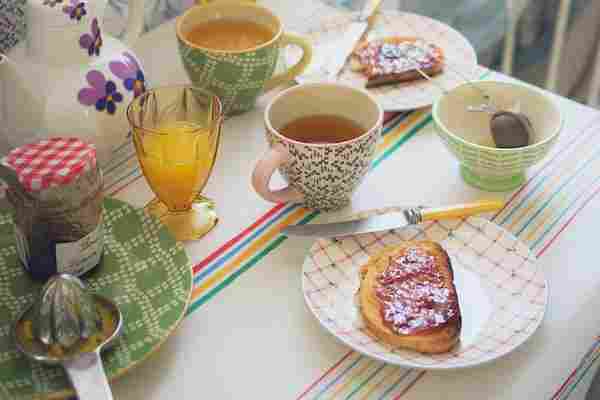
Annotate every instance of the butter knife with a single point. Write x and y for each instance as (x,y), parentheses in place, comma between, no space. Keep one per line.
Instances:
(393,220)
(342,48)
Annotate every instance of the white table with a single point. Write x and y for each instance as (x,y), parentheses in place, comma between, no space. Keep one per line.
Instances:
(256,339)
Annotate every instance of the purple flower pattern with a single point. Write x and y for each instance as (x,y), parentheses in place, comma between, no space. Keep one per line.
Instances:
(92,42)
(130,73)
(102,94)
(75,10)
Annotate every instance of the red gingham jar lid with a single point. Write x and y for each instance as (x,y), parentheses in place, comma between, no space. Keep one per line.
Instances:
(51,162)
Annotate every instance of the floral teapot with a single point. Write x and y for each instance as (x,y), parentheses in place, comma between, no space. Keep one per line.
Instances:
(69,78)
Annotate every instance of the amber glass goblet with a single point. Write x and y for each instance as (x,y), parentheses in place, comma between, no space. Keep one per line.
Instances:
(176,132)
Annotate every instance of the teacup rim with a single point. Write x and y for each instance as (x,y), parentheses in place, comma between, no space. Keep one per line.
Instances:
(438,120)
(182,37)
(367,133)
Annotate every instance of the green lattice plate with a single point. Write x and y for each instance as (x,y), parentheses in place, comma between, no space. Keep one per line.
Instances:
(143,269)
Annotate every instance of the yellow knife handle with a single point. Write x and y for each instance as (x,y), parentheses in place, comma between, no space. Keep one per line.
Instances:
(461,210)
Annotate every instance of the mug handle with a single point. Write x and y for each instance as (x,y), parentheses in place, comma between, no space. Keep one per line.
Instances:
(264,170)
(295,70)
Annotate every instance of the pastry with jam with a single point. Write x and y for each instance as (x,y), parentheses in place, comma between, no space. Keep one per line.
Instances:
(408,298)
(395,59)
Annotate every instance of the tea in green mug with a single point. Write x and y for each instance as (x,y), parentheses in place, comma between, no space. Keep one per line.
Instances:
(230,35)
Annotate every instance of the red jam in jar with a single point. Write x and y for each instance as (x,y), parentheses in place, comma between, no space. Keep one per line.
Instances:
(58,203)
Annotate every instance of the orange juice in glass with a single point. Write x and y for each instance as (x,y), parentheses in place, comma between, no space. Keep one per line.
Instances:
(176,132)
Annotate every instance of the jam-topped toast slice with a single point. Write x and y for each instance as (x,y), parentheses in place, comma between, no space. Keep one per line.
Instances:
(396,59)
(408,298)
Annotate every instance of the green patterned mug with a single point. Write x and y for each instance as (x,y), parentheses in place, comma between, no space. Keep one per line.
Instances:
(237,77)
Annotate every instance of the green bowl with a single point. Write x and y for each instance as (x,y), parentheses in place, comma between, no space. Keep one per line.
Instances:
(467,134)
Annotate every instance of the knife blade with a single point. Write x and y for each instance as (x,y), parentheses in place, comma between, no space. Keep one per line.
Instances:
(345,45)
(338,229)
(393,220)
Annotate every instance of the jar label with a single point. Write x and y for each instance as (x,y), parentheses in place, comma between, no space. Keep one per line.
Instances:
(78,257)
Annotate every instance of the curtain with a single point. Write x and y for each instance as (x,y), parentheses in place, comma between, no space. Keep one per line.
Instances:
(535,39)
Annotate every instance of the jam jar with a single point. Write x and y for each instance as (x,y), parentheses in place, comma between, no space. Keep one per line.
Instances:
(57,198)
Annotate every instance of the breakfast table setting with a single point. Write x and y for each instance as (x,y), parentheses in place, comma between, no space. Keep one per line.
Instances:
(171,227)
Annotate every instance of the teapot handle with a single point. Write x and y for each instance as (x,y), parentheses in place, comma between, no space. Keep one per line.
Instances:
(135,22)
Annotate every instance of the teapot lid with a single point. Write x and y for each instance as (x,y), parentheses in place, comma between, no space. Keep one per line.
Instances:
(51,162)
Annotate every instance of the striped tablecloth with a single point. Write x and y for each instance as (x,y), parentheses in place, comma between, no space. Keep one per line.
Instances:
(248,334)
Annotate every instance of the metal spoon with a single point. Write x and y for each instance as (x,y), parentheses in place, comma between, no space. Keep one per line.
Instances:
(85,369)
(509,129)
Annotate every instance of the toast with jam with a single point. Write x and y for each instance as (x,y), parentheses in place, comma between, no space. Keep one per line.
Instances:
(408,298)
(396,59)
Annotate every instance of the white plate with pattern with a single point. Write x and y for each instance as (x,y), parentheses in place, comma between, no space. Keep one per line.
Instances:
(458,52)
(501,288)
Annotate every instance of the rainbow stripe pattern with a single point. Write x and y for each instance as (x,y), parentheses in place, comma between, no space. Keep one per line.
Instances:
(585,365)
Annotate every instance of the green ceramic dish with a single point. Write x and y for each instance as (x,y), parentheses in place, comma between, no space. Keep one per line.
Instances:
(144,270)
(467,134)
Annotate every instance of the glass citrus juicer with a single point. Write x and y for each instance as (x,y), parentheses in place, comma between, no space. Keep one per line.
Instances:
(176,132)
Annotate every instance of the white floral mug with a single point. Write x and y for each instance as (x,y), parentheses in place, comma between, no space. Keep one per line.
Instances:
(322,176)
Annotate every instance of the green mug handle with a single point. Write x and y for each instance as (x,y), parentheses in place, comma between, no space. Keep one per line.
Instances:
(295,70)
